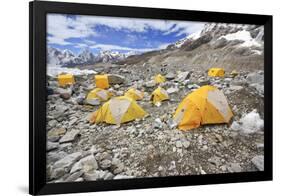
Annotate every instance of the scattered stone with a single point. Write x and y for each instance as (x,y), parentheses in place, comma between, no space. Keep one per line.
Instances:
(172,166)
(73,121)
(68,160)
(234,167)
(172,90)
(258,87)
(79,180)
(219,138)
(255,78)
(94,101)
(55,156)
(108,176)
(59,111)
(70,136)
(74,176)
(119,177)
(150,84)
(260,146)
(203,82)
(171,123)
(86,164)
(105,164)
(56,132)
(186,144)
(235,126)
(57,173)
(91,176)
(215,160)
(80,100)
(204,148)
(64,93)
(170,76)
(183,76)
(115,79)
(258,162)
(227,79)
(235,88)
(158,124)
(178,144)
(52,123)
(52,146)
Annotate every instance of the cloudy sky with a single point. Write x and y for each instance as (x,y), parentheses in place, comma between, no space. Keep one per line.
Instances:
(97,33)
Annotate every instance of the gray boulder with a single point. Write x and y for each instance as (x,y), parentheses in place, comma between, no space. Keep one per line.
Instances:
(67,161)
(255,78)
(258,162)
(86,164)
(70,136)
(115,79)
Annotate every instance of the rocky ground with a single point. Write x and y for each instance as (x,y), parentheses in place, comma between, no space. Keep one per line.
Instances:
(149,147)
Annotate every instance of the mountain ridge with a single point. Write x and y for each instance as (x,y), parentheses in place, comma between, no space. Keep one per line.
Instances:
(67,58)
(230,46)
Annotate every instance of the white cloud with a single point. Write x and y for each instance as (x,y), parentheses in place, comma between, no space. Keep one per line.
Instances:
(81,45)
(57,40)
(116,47)
(61,27)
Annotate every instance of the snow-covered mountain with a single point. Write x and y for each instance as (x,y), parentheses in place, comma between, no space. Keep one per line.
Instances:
(86,57)
(222,34)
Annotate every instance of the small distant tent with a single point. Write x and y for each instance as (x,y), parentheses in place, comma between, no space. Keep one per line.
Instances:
(134,94)
(102,81)
(159,79)
(234,73)
(216,72)
(118,110)
(206,105)
(159,95)
(66,79)
(98,93)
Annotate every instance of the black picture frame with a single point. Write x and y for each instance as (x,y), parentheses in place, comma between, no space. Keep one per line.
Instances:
(37,97)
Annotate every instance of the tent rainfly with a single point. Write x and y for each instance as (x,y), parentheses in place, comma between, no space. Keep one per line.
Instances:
(65,79)
(159,95)
(134,94)
(206,105)
(159,79)
(102,81)
(118,110)
(216,72)
(98,93)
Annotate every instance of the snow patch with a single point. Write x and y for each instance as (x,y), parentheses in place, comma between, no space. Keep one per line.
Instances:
(54,70)
(244,36)
(194,36)
(250,123)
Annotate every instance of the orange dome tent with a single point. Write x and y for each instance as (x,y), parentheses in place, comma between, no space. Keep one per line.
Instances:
(206,105)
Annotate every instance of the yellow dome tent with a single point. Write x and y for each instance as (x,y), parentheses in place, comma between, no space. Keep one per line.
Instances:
(118,110)
(65,79)
(102,81)
(159,95)
(159,79)
(216,72)
(206,105)
(98,93)
(134,94)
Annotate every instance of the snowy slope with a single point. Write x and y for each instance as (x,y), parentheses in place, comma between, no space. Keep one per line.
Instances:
(246,35)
